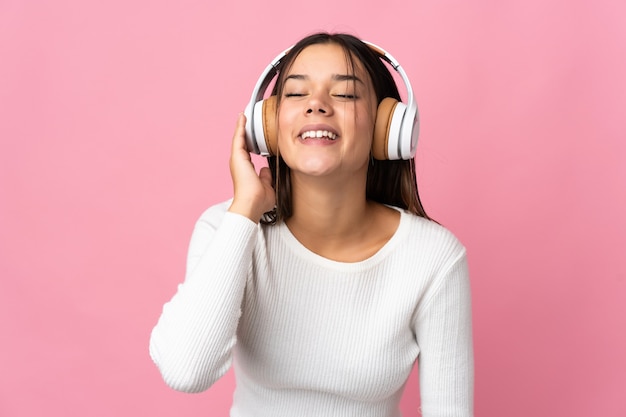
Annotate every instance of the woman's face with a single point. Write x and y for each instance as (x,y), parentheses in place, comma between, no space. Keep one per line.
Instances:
(326,114)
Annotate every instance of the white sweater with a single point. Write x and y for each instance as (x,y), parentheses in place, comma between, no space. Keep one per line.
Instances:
(315,337)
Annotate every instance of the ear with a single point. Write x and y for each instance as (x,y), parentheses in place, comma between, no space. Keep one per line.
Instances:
(384,114)
(270,124)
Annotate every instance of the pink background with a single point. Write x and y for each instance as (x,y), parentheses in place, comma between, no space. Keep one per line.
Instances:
(115,125)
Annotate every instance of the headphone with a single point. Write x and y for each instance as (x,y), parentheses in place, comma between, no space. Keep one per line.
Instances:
(395,131)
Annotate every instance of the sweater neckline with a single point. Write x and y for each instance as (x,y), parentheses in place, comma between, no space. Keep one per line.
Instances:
(306,254)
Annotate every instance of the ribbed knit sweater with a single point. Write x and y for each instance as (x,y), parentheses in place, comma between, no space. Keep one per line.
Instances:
(309,336)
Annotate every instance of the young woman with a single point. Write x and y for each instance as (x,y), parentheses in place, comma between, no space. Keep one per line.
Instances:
(323,280)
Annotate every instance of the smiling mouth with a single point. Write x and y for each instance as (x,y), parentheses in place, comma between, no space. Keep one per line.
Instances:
(319,134)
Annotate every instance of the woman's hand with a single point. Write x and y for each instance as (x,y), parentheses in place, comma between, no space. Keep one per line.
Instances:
(253,193)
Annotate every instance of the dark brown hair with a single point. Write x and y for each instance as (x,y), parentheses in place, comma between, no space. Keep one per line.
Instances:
(388,182)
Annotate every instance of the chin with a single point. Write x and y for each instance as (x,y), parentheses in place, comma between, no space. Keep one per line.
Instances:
(316,170)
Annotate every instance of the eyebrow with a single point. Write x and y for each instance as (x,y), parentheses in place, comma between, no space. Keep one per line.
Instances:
(335,77)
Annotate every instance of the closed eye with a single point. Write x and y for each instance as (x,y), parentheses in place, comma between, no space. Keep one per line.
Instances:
(347,96)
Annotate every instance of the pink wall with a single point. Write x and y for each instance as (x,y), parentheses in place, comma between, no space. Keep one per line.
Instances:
(115,123)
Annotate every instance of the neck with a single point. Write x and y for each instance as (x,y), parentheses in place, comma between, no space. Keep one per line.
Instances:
(337,222)
(328,207)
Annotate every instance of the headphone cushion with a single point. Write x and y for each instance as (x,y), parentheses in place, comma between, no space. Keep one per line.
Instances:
(384,115)
(270,125)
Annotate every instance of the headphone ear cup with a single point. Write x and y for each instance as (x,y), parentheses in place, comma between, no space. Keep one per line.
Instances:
(270,124)
(384,116)
(264,137)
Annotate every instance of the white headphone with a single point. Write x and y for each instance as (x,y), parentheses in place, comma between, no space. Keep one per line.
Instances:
(395,131)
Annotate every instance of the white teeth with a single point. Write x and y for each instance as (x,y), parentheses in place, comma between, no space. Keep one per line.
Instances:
(319,134)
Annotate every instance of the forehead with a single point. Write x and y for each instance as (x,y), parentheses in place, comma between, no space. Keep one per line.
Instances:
(327,59)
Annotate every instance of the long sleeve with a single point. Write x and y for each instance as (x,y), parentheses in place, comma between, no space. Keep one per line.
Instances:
(192,342)
(313,336)
(444,335)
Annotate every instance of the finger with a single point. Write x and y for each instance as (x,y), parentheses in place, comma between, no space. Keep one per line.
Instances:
(265,175)
(239,137)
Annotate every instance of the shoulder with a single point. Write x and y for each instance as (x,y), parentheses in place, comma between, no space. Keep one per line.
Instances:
(218,215)
(216,211)
(431,237)
(216,222)
(440,257)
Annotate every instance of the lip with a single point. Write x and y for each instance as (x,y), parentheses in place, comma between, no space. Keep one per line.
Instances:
(320,126)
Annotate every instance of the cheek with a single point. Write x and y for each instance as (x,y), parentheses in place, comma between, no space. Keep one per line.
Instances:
(365,124)
(283,120)
(284,125)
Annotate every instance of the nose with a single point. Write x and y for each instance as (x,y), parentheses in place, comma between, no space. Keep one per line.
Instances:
(317,104)
(319,109)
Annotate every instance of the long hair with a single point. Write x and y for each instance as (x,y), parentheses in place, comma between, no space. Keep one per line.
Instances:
(391,182)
